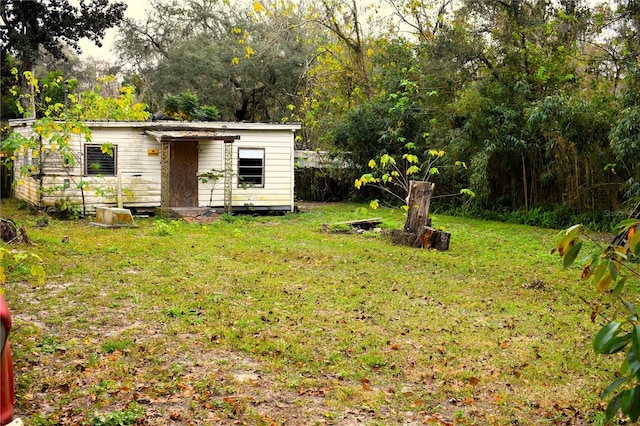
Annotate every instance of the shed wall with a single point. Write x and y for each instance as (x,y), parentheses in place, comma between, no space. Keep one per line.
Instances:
(139,167)
(278,166)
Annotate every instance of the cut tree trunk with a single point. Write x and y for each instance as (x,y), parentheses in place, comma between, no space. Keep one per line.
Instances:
(10,233)
(417,228)
(420,193)
(8,230)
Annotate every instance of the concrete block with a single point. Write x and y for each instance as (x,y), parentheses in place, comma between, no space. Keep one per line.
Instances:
(114,217)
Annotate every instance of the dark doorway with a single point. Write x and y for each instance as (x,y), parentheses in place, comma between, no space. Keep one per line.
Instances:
(183,174)
(6,177)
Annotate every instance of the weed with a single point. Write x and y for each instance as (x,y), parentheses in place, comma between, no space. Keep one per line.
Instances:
(39,420)
(229,218)
(128,416)
(110,346)
(42,221)
(374,361)
(48,345)
(173,312)
(165,228)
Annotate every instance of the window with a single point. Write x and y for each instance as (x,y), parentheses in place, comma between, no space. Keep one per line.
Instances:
(251,167)
(97,162)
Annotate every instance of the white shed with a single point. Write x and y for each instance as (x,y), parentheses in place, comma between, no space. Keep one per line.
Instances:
(165,165)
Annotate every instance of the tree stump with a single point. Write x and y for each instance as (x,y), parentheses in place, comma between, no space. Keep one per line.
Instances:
(8,230)
(10,233)
(419,200)
(417,228)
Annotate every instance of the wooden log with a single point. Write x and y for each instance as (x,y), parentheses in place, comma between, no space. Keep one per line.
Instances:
(440,240)
(419,200)
(424,237)
(402,237)
(427,238)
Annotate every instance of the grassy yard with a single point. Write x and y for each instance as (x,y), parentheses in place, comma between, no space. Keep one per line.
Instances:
(271,320)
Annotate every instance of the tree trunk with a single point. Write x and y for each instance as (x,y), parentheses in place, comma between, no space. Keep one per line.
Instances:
(420,193)
(417,230)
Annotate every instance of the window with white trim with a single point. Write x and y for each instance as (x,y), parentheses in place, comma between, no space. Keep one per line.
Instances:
(97,162)
(251,167)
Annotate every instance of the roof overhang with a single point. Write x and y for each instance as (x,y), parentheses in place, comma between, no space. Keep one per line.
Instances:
(164,136)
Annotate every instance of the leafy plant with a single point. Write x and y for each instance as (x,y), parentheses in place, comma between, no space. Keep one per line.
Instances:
(186,106)
(112,345)
(393,178)
(42,220)
(48,345)
(211,178)
(128,416)
(13,262)
(165,227)
(392,173)
(609,268)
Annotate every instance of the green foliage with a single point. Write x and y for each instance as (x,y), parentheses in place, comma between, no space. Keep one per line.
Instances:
(625,142)
(8,107)
(17,263)
(129,416)
(247,63)
(609,268)
(32,25)
(48,345)
(329,182)
(164,228)
(42,221)
(393,179)
(92,105)
(186,106)
(112,345)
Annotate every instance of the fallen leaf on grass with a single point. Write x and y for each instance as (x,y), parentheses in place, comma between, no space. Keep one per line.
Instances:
(411,361)
(365,384)
(314,392)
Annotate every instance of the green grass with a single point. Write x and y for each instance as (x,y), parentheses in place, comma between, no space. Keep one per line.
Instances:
(270,320)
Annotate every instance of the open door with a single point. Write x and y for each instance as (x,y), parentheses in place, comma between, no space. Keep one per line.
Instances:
(183,174)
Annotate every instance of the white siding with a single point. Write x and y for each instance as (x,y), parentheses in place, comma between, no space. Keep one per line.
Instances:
(278,170)
(140,170)
(139,173)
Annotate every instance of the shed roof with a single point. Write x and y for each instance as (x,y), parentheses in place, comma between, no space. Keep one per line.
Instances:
(190,135)
(220,126)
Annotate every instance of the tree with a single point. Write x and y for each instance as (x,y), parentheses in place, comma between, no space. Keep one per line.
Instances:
(57,133)
(186,106)
(28,26)
(419,15)
(8,107)
(246,61)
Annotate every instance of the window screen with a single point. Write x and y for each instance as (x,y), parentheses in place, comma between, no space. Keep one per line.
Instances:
(251,167)
(99,163)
